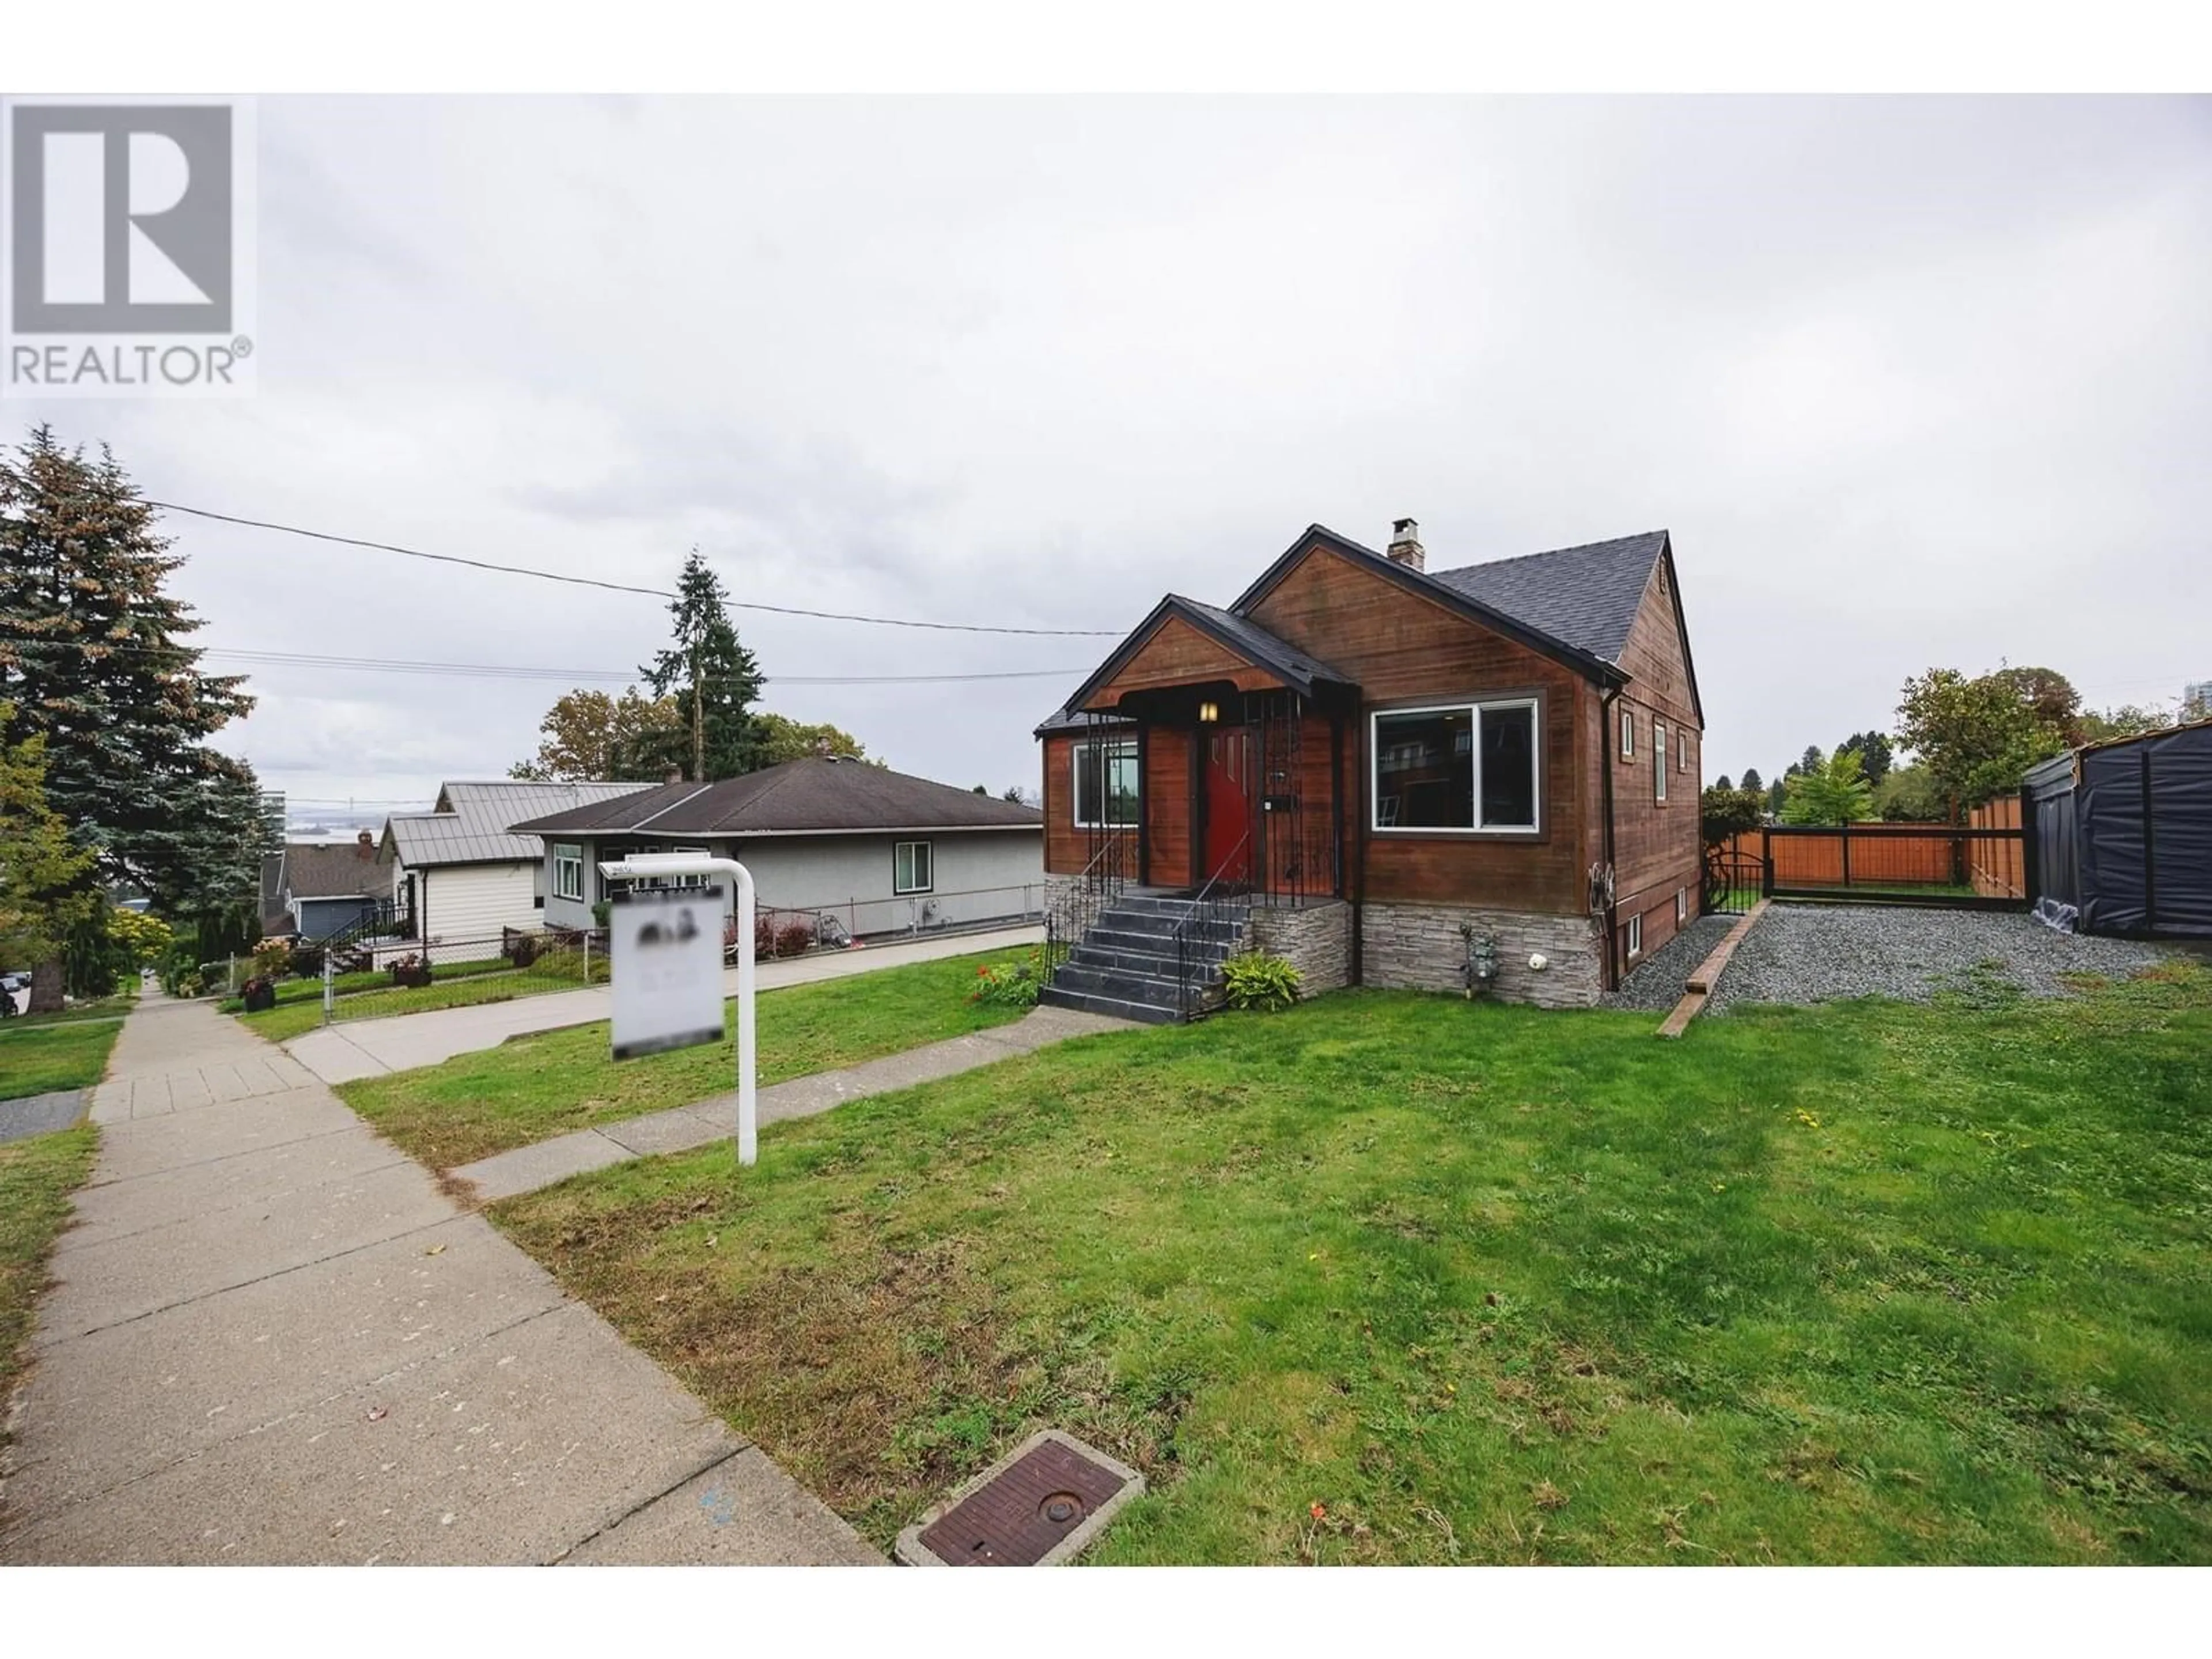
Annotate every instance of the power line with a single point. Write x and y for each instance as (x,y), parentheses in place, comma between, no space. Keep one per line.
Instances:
(501,670)
(628,588)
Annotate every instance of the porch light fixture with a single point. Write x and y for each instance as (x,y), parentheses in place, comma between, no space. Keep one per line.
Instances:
(1208,712)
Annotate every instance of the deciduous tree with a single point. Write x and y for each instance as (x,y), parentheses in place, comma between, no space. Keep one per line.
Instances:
(1836,791)
(1976,736)
(778,739)
(589,736)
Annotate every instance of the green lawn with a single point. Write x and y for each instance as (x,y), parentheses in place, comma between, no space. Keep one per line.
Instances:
(36,1179)
(535,1087)
(288,1019)
(39,1055)
(1861,1283)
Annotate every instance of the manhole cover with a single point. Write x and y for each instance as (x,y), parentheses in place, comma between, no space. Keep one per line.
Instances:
(1037,1506)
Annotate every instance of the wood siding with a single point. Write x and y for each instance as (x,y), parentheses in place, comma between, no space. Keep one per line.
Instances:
(1178,654)
(1067,849)
(1399,646)
(1168,783)
(1657,847)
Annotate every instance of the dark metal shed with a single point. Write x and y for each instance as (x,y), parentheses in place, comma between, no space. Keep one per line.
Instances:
(2122,833)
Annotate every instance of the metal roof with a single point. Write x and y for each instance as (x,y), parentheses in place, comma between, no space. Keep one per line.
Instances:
(469,824)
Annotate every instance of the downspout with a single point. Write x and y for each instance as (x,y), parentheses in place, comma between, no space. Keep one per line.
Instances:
(1359,792)
(1605,752)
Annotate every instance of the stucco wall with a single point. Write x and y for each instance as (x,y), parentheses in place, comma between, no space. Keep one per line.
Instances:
(976,876)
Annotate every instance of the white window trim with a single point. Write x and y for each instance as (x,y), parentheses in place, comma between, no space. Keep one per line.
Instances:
(1682,750)
(1659,754)
(1628,734)
(1074,787)
(1535,708)
(568,856)
(1635,936)
(930,858)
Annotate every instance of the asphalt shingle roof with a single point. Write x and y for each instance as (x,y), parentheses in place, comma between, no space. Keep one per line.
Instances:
(1587,596)
(469,825)
(794,799)
(312,870)
(1269,650)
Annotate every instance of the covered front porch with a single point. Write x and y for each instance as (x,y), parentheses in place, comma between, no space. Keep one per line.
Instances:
(1206,756)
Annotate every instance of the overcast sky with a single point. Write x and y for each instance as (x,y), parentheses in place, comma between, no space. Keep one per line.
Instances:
(1911,382)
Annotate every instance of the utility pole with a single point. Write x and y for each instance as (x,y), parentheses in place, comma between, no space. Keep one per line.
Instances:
(698,720)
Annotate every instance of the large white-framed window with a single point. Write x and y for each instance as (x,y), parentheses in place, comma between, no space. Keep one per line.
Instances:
(1467,766)
(1659,759)
(911,871)
(568,871)
(1105,788)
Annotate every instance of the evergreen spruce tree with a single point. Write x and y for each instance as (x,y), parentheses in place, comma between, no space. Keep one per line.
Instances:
(92,661)
(713,678)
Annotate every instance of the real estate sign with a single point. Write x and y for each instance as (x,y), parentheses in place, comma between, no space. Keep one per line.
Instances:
(667,949)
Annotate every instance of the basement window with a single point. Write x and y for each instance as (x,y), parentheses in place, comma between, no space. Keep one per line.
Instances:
(1681,905)
(1635,936)
(910,870)
(1458,766)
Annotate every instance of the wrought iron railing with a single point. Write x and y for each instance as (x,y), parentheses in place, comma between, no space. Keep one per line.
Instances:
(1069,912)
(1219,903)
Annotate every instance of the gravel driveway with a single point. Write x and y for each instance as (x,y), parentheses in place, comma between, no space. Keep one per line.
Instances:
(1814,953)
(1657,983)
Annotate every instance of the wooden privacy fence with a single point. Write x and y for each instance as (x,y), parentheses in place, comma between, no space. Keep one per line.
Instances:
(1979,865)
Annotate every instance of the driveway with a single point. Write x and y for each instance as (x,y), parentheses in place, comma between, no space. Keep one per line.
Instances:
(370,1047)
(274,1339)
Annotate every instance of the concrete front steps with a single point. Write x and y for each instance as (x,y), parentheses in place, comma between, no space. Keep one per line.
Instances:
(1125,963)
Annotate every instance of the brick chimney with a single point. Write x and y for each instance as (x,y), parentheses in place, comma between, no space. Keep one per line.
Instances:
(364,845)
(1405,544)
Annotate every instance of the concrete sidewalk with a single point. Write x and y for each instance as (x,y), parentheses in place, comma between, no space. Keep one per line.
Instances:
(370,1047)
(274,1339)
(526,1168)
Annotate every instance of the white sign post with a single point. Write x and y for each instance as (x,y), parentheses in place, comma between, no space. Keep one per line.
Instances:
(657,979)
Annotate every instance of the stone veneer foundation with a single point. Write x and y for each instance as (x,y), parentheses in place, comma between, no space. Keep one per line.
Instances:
(1315,938)
(1420,947)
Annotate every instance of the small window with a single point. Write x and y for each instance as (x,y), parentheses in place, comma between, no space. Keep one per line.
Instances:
(1681,751)
(1627,735)
(568,872)
(1681,905)
(1659,754)
(1635,936)
(910,870)
(1106,785)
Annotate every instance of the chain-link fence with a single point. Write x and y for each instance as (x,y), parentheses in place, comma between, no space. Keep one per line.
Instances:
(368,983)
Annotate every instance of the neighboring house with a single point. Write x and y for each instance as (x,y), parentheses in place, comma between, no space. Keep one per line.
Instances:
(458,873)
(318,889)
(880,851)
(1391,766)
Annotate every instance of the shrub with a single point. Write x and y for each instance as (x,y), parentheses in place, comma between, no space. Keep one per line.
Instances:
(1009,985)
(410,971)
(601,913)
(272,959)
(524,951)
(1258,981)
(793,937)
(763,938)
(306,961)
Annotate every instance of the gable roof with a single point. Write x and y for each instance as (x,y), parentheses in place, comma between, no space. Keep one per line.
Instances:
(1240,635)
(800,797)
(1587,596)
(317,869)
(469,824)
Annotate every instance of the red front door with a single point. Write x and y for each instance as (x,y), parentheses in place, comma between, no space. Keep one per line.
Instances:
(1228,785)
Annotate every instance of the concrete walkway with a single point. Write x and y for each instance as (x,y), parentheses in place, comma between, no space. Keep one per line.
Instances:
(370,1047)
(274,1339)
(526,1169)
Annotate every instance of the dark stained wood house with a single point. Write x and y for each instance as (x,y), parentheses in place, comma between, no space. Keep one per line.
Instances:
(1394,775)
